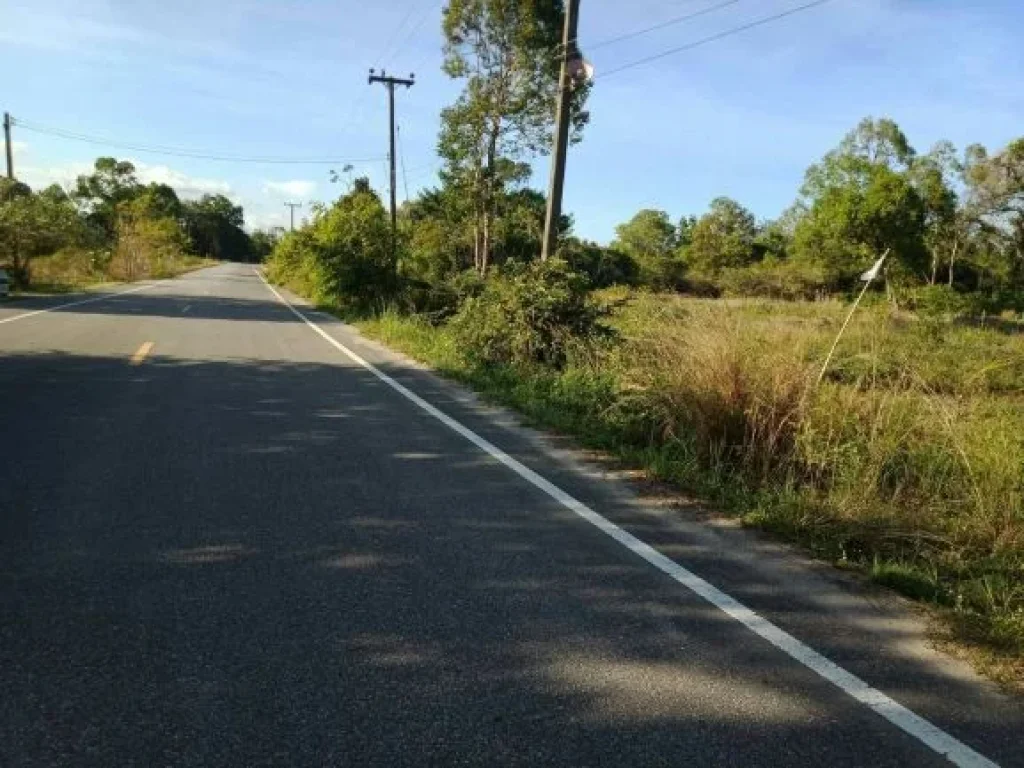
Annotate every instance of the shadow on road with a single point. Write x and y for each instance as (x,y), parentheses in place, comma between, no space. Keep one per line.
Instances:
(146,304)
(240,563)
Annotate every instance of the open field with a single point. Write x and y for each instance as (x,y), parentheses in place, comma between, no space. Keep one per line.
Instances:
(907,462)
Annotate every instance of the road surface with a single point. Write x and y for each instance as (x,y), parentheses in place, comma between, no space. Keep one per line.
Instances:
(226,541)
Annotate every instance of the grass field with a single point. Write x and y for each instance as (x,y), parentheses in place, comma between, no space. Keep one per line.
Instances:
(906,462)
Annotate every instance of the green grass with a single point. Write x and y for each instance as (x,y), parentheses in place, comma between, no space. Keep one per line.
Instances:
(73,269)
(907,462)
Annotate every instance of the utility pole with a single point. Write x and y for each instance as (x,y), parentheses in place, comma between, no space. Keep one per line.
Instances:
(291,211)
(570,67)
(7,145)
(390,83)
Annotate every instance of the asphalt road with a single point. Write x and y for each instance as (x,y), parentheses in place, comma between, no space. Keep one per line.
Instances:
(225,542)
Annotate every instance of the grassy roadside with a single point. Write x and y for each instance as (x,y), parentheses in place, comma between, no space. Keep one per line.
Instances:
(907,464)
(74,271)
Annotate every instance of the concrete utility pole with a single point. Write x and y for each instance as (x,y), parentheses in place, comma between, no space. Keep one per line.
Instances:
(7,145)
(570,56)
(390,83)
(291,211)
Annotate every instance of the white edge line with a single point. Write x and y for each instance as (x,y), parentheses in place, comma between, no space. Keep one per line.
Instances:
(104,297)
(911,723)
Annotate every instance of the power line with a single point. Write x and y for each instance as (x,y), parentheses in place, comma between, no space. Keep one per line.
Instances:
(419,23)
(156,149)
(714,38)
(394,35)
(357,103)
(661,25)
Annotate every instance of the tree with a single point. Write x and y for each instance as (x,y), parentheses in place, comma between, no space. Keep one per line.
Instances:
(873,143)
(12,188)
(436,244)
(996,187)
(32,225)
(848,227)
(934,176)
(723,237)
(214,228)
(160,201)
(503,50)
(343,255)
(650,239)
(145,243)
(98,194)
(263,242)
(860,201)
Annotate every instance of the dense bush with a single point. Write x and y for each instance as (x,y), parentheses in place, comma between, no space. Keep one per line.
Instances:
(602,266)
(343,257)
(774,279)
(530,313)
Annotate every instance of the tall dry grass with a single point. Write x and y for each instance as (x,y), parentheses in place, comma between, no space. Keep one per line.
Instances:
(894,459)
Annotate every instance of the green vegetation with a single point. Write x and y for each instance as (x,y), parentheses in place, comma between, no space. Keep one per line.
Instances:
(691,346)
(112,227)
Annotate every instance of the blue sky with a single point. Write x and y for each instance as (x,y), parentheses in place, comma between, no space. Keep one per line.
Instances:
(741,117)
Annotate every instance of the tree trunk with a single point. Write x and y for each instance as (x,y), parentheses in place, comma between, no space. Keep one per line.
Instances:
(952,259)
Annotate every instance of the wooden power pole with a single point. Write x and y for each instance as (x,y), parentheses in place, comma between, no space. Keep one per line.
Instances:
(7,145)
(291,211)
(390,83)
(570,54)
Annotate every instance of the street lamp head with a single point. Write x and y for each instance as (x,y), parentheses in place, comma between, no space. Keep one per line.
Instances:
(579,70)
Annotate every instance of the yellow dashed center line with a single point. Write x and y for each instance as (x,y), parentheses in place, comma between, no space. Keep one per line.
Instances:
(141,352)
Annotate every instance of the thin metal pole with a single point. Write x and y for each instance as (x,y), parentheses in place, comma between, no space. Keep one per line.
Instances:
(867,283)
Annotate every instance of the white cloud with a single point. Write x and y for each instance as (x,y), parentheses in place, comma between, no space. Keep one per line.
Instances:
(39,177)
(259,218)
(296,188)
(186,186)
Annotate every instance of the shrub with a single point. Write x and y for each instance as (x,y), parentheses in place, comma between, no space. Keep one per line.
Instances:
(437,302)
(145,247)
(532,313)
(935,302)
(343,257)
(774,279)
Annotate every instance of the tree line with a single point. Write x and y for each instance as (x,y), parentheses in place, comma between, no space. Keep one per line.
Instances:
(947,218)
(118,226)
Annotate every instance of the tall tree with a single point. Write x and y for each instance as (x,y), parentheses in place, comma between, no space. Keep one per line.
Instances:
(650,239)
(32,225)
(98,194)
(935,177)
(860,201)
(723,237)
(505,52)
(996,185)
(214,227)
